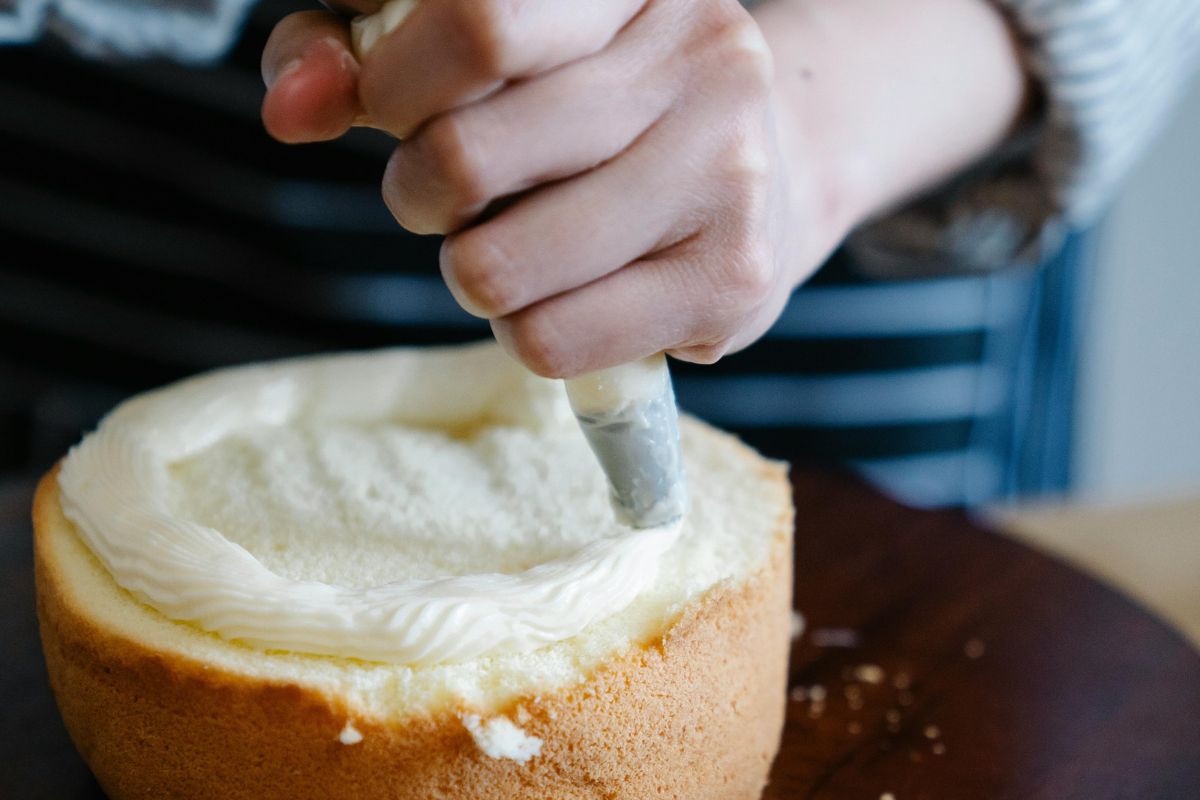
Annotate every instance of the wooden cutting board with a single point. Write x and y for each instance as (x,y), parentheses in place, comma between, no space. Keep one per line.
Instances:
(951,663)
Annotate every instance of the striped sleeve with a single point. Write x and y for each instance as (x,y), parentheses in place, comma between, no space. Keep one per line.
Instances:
(1110,72)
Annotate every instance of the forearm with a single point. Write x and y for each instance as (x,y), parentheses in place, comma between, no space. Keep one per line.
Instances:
(878,100)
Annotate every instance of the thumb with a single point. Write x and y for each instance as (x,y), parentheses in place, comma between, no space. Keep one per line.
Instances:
(312,79)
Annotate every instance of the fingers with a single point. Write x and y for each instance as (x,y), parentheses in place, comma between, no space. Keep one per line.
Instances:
(682,302)
(451,52)
(709,294)
(312,79)
(637,182)
(704,165)
(569,234)
(568,121)
(534,132)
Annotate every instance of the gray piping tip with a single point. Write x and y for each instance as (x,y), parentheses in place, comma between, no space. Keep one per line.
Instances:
(629,417)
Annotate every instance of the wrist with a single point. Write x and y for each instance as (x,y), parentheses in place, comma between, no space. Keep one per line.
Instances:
(879,101)
(824,164)
(820,198)
(824,174)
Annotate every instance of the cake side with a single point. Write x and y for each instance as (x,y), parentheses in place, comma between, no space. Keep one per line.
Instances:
(693,711)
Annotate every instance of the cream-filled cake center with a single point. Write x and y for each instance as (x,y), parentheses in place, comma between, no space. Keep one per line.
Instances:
(410,506)
(365,504)
(414,507)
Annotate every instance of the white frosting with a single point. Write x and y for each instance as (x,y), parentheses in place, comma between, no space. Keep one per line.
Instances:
(610,391)
(498,737)
(366,30)
(127,489)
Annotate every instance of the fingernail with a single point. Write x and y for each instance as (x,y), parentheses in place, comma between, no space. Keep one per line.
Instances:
(287,69)
(461,297)
(349,62)
(445,259)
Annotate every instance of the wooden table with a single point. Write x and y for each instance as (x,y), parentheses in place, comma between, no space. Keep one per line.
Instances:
(978,668)
(1158,565)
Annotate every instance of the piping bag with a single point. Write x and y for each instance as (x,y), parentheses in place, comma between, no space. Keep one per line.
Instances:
(627,413)
(629,417)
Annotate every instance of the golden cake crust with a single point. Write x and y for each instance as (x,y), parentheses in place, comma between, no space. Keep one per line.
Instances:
(695,713)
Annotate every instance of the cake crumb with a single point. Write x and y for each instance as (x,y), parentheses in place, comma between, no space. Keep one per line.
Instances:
(887,796)
(932,732)
(869,673)
(798,694)
(902,680)
(797,624)
(974,649)
(939,749)
(523,716)
(816,693)
(834,637)
(349,734)
(499,738)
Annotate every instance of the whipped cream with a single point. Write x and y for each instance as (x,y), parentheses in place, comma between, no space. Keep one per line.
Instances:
(610,391)
(368,29)
(117,487)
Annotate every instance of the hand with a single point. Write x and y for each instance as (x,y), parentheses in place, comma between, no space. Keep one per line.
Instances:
(632,145)
(657,189)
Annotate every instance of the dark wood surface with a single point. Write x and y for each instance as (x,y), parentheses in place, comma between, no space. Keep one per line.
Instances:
(1002,673)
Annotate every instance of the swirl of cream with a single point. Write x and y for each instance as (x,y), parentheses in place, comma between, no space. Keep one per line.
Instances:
(115,481)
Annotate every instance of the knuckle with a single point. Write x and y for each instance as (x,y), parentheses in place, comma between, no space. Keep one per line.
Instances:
(755,279)
(747,174)
(491,35)
(401,194)
(453,154)
(486,283)
(736,290)
(752,160)
(743,284)
(538,343)
(395,195)
(740,53)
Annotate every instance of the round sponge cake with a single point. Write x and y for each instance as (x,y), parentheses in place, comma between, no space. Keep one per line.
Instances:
(679,694)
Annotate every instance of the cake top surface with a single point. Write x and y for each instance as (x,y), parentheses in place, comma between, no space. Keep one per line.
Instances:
(410,506)
(365,504)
